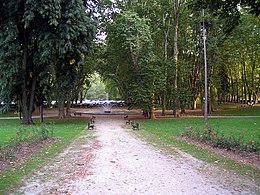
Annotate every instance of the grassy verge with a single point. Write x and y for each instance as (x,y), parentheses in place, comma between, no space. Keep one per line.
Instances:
(9,114)
(250,127)
(239,110)
(165,130)
(64,131)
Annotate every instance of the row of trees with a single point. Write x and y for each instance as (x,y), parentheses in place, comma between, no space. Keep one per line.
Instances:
(152,55)
(43,50)
(154,52)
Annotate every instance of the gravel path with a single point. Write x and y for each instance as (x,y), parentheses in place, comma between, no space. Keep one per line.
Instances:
(115,162)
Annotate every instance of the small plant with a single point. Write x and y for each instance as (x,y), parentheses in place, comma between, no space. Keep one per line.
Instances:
(233,142)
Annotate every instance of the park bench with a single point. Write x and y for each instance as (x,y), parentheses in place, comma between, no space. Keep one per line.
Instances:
(77,113)
(128,122)
(90,126)
(135,126)
(92,121)
(250,103)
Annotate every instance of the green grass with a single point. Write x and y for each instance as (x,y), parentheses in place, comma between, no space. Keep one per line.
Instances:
(8,129)
(240,111)
(226,126)
(9,114)
(166,130)
(64,130)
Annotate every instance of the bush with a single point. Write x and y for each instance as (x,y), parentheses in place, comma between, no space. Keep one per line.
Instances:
(24,136)
(209,136)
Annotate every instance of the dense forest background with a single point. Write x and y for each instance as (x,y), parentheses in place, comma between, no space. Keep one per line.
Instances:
(149,53)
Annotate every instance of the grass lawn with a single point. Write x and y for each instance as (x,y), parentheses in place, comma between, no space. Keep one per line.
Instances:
(64,130)
(250,127)
(239,111)
(166,129)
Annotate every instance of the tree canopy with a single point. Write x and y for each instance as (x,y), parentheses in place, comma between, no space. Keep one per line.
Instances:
(38,41)
(170,63)
(151,52)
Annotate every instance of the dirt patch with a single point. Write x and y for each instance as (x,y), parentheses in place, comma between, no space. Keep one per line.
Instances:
(56,176)
(24,152)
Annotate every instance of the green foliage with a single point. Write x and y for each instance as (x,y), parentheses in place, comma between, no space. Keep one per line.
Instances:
(228,10)
(131,63)
(36,36)
(129,36)
(136,59)
(97,88)
(9,58)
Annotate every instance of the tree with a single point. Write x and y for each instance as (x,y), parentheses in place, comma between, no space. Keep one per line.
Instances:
(131,59)
(241,51)
(177,66)
(35,36)
(228,10)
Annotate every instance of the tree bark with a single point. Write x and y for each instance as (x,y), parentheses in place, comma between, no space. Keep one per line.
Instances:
(244,82)
(68,108)
(257,89)
(25,100)
(61,108)
(176,10)
(152,109)
(152,114)
(166,32)
(194,104)
(41,112)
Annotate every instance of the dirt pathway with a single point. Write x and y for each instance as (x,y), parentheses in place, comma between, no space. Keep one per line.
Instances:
(115,162)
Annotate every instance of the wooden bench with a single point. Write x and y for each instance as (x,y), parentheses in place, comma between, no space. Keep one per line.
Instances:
(92,121)
(90,126)
(77,113)
(135,126)
(128,122)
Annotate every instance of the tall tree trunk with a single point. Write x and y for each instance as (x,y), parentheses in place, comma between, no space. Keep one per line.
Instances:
(68,108)
(194,104)
(211,101)
(232,88)
(253,79)
(244,82)
(257,90)
(152,109)
(152,114)
(61,108)
(41,112)
(166,32)
(25,101)
(237,90)
(81,96)
(176,9)
(32,95)
(164,102)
